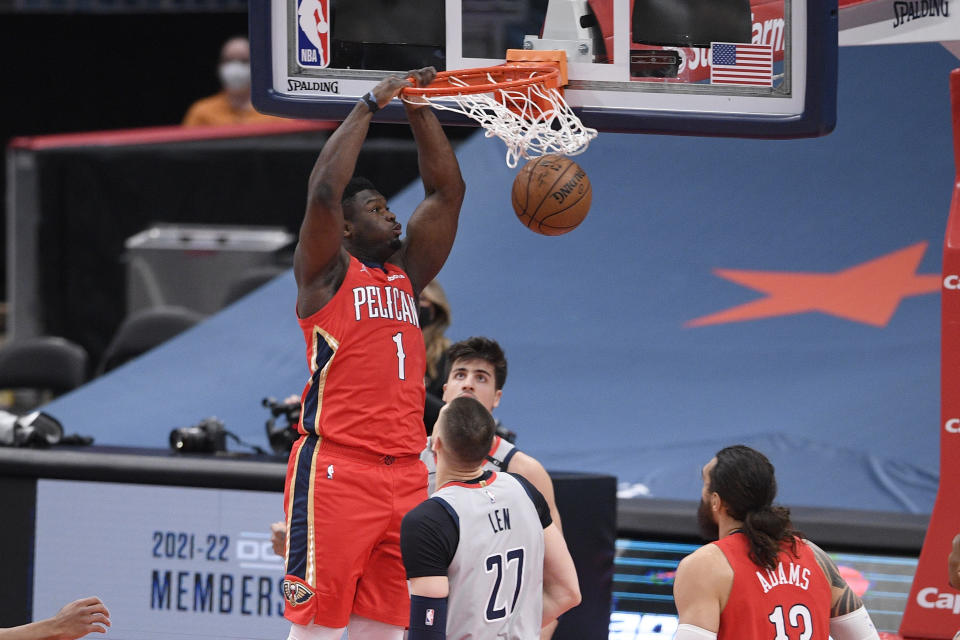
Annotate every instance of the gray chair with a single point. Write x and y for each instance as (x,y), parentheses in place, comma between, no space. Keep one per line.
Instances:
(144,330)
(43,367)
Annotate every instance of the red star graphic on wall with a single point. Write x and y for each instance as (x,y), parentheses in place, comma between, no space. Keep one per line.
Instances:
(869,292)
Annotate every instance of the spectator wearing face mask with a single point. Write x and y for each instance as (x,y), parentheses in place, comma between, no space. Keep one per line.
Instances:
(232,105)
(434,321)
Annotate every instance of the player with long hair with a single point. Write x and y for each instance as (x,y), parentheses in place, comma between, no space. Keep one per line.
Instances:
(760,579)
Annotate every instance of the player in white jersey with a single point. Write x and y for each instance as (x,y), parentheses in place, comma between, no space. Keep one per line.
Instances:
(483,558)
(478,369)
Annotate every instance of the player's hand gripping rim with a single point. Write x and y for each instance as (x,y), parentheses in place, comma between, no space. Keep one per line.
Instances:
(392,86)
(419,78)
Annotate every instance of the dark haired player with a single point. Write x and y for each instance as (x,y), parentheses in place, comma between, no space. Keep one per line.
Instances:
(478,369)
(760,580)
(355,470)
(483,558)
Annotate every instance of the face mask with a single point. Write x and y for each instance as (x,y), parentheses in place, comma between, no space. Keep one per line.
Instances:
(235,74)
(426,316)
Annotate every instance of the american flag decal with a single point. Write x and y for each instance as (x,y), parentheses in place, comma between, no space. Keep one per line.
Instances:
(744,64)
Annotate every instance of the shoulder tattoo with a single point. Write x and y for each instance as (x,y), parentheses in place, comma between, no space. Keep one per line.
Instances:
(848,600)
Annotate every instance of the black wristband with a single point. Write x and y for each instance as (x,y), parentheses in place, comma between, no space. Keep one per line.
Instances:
(428,618)
(371,102)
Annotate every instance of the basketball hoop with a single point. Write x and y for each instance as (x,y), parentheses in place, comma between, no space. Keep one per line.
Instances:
(520,102)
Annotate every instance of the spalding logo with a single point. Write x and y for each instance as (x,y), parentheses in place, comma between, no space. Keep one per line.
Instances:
(573,185)
(296,592)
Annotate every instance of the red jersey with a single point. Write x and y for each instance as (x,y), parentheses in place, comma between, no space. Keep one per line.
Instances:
(790,603)
(367,361)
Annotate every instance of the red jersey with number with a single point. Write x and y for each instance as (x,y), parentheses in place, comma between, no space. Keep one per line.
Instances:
(789,603)
(367,361)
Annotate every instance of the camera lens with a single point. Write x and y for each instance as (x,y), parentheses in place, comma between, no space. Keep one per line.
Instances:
(188,439)
(206,437)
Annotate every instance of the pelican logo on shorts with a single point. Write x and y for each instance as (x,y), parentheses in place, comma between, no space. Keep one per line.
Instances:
(296,593)
(313,33)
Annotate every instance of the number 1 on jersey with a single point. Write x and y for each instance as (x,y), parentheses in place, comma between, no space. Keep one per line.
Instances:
(401,356)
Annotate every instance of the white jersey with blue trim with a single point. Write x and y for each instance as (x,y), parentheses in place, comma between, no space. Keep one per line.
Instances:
(496,575)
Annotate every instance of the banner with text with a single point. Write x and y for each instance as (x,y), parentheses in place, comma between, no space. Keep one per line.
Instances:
(167,561)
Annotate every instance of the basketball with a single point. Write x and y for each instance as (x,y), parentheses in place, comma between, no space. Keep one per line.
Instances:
(551,195)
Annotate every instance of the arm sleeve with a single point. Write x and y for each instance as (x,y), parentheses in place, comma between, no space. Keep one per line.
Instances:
(428,539)
(693,632)
(543,509)
(855,625)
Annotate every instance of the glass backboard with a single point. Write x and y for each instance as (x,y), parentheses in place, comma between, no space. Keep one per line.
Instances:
(751,68)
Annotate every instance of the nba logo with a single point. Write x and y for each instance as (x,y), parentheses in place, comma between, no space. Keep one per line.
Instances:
(429,618)
(313,33)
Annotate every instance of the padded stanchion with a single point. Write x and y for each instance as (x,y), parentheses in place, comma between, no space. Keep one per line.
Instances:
(933,609)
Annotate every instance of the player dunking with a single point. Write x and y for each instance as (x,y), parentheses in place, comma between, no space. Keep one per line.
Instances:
(355,470)
(483,557)
(760,580)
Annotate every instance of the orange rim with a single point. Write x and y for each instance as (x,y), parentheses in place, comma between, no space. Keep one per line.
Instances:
(441,85)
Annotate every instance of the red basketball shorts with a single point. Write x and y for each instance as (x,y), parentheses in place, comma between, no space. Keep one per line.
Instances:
(344,507)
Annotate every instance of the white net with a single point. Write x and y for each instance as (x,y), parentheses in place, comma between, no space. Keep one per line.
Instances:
(532,121)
